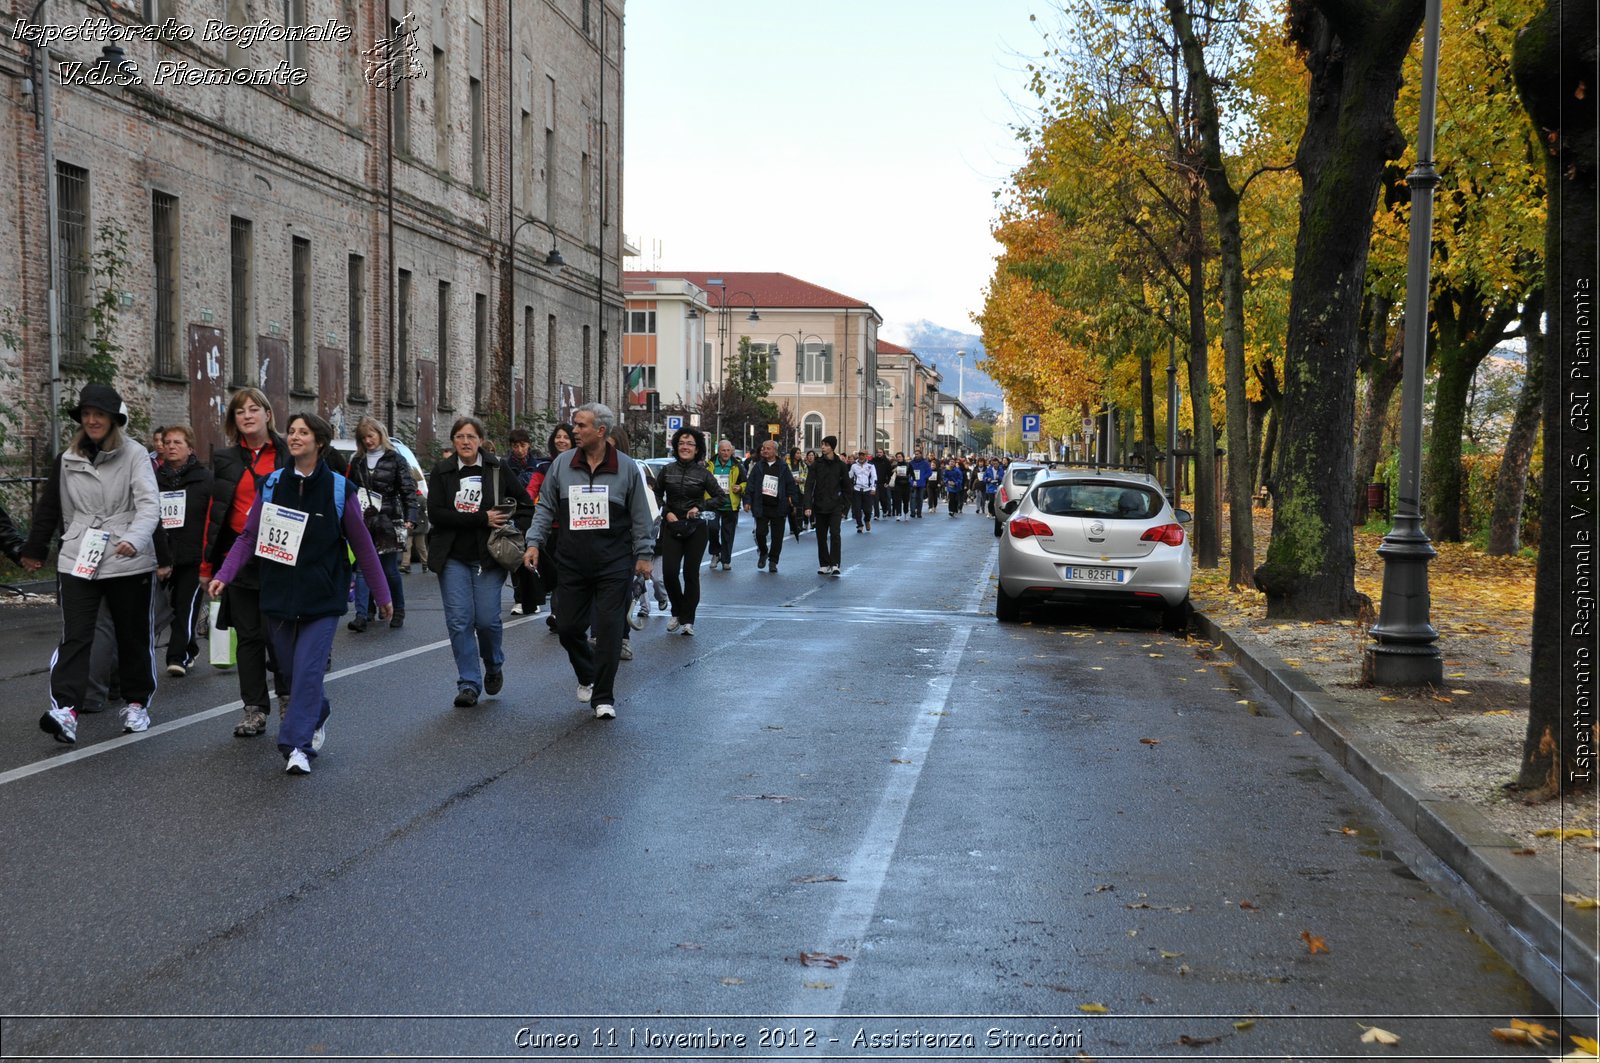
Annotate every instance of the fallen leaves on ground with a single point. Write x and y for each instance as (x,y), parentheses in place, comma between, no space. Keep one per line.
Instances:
(1093,1009)
(822,959)
(1564,834)
(1525,1033)
(1150,741)
(1580,902)
(805,879)
(1195,1042)
(1375,1035)
(1244,1024)
(1314,944)
(1587,1047)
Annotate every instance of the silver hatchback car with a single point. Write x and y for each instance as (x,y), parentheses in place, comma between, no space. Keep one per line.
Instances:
(1095,536)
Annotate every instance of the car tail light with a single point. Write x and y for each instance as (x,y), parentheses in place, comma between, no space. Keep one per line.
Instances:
(1171,534)
(1023,527)
(1004,498)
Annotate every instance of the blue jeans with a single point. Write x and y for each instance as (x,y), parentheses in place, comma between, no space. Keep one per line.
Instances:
(397,587)
(303,648)
(471,595)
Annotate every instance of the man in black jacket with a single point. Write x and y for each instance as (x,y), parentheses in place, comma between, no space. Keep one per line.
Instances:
(827,497)
(769,493)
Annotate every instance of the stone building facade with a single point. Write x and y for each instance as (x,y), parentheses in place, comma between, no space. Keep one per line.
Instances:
(320,198)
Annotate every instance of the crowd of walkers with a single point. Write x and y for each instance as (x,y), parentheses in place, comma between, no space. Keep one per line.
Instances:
(283,534)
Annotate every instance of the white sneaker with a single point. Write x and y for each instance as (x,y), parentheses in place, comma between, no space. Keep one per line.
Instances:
(823,570)
(516,610)
(134,718)
(297,764)
(834,571)
(688,629)
(585,692)
(673,624)
(627,650)
(177,671)
(603,711)
(318,737)
(61,724)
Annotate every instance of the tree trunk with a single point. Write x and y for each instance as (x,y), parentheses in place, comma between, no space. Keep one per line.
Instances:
(1383,376)
(1147,414)
(1468,329)
(1511,482)
(1258,425)
(1207,548)
(1241,530)
(1354,52)
(1554,65)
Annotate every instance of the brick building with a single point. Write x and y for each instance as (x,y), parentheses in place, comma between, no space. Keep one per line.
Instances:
(317,197)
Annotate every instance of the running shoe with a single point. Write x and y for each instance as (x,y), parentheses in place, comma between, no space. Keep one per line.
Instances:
(604,711)
(585,692)
(60,724)
(134,718)
(297,764)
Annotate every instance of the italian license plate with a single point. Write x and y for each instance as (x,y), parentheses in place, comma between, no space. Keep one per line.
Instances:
(1086,574)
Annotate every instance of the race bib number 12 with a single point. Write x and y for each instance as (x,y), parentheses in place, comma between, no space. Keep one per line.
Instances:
(90,552)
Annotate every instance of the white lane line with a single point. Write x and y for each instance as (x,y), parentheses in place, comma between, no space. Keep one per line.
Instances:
(123,741)
(864,877)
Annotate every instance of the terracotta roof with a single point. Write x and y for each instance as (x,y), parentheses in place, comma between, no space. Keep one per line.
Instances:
(885,347)
(769,290)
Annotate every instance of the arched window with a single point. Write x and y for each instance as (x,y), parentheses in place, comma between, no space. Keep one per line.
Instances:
(883,440)
(811,431)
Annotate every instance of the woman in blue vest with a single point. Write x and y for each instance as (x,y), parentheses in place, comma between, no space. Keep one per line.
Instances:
(300,524)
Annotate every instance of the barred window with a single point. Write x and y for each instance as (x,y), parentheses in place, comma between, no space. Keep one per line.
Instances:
(72,231)
(164,244)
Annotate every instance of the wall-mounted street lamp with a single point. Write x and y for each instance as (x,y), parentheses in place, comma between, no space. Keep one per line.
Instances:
(552,262)
(552,259)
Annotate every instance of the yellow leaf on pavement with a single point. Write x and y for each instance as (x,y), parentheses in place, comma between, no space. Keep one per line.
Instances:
(1314,944)
(1580,902)
(1377,1036)
(1565,834)
(1585,1045)
(1244,1024)
(1094,1009)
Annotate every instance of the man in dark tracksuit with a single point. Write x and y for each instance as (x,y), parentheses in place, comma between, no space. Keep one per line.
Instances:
(769,494)
(595,495)
(827,497)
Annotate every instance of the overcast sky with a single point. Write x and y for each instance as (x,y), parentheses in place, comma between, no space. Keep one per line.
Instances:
(856,145)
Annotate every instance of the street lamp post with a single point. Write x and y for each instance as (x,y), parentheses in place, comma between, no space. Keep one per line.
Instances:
(553,262)
(123,73)
(800,341)
(1406,653)
(724,310)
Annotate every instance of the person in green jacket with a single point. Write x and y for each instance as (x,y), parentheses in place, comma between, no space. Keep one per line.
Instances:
(730,477)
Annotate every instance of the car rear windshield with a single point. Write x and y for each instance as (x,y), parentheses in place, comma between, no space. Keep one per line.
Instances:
(1023,477)
(1116,501)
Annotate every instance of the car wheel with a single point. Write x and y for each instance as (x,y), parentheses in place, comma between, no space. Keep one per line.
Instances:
(1007,609)
(1175,618)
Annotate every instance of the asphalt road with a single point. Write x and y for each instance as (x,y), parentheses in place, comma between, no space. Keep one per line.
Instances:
(851,818)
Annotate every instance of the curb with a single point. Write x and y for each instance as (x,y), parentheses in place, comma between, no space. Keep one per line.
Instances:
(1549,943)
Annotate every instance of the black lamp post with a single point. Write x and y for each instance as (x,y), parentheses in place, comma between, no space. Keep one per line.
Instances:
(1406,653)
(724,310)
(553,262)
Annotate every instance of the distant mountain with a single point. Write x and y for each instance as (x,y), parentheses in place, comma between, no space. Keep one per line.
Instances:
(937,344)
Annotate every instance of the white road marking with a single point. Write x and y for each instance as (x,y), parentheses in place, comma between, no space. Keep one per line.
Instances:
(857,898)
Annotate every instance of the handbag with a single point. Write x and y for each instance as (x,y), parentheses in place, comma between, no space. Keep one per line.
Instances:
(507,544)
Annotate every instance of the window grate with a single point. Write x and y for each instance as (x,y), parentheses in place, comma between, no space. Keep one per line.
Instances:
(164,243)
(72,230)
(239,238)
(301,296)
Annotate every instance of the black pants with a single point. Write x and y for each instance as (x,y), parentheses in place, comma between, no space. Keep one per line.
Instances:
(884,500)
(828,536)
(183,591)
(902,499)
(603,599)
(680,567)
(861,503)
(132,605)
(770,523)
(727,528)
(955,502)
(528,587)
(256,655)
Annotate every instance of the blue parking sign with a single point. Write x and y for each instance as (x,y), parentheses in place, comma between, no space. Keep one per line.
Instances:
(1030,427)
(674,423)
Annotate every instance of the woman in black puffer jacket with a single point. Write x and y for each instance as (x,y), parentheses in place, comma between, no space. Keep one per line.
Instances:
(682,488)
(185,486)
(388,504)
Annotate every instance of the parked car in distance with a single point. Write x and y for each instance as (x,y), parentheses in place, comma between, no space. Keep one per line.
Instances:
(1019,474)
(1099,537)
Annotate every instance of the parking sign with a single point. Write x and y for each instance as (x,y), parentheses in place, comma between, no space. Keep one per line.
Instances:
(674,422)
(1030,428)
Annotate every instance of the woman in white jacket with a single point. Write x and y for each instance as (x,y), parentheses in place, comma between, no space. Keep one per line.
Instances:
(102,496)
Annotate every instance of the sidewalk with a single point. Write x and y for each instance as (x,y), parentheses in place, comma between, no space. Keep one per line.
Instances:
(1439,759)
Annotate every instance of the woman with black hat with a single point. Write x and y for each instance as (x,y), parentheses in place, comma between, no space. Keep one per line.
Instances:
(101,495)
